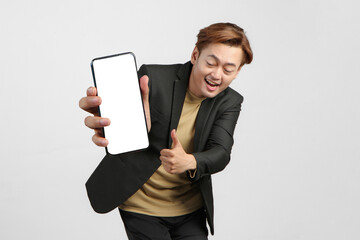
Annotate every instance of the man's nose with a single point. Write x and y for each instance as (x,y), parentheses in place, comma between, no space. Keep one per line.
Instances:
(216,74)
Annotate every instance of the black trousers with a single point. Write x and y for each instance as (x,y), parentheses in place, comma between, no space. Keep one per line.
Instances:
(186,227)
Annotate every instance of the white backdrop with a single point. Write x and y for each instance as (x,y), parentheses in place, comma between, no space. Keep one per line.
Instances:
(295,165)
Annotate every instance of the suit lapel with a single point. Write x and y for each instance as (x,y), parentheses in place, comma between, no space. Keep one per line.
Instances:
(201,119)
(179,90)
(180,87)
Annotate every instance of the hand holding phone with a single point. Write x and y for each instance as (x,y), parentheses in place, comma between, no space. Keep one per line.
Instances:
(91,104)
(115,78)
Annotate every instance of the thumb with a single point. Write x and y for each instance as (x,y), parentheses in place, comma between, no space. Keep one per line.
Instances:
(144,80)
(176,141)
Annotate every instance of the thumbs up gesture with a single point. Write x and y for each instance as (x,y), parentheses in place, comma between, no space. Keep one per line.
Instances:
(176,160)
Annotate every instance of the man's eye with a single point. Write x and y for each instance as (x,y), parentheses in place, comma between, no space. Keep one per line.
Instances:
(228,71)
(210,64)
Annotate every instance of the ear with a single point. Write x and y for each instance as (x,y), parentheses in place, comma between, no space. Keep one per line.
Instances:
(194,55)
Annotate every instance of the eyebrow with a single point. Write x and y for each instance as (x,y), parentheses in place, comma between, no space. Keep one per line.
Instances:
(217,59)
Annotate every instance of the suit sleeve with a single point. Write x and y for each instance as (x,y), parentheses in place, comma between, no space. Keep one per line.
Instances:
(216,154)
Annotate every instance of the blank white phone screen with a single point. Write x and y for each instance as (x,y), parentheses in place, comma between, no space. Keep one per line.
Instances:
(117,84)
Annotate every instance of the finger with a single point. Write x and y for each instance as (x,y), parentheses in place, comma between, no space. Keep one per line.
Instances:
(90,103)
(169,169)
(162,159)
(174,138)
(166,152)
(168,161)
(166,166)
(91,91)
(99,140)
(96,122)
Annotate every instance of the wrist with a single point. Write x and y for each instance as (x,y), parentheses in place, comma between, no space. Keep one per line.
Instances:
(192,162)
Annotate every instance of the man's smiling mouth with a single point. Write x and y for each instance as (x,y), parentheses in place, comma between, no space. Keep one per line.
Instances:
(211,83)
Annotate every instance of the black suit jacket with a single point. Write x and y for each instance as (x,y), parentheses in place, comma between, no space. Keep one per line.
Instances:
(119,176)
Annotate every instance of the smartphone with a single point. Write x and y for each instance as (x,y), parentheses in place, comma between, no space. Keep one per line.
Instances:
(117,83)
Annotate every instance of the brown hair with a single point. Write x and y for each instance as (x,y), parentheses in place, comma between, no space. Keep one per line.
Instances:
(226,33)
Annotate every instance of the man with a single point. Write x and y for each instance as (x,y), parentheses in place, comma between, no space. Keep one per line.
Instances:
(165,191)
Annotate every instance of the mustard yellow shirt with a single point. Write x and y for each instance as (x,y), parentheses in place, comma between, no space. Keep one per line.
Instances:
(166,194)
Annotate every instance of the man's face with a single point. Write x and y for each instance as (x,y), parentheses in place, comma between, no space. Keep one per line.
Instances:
(214,69)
